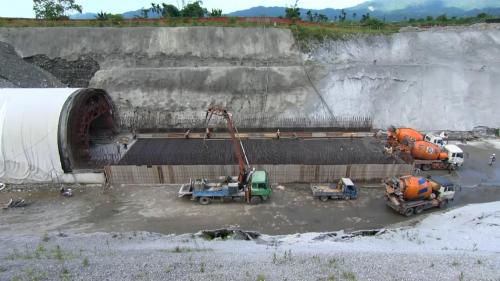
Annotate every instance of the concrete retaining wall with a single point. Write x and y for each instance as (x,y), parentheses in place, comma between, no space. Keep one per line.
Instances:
(176,174)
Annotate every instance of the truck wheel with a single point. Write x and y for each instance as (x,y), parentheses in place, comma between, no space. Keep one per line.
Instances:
(255,200)
(408,212)
(205,200)
(443,204)
(323,198)
(418,210)
(426,167)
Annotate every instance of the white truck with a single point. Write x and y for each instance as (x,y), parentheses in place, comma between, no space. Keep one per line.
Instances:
(455,160)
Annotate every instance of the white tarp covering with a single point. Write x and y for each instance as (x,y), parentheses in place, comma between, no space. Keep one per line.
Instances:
(29,124)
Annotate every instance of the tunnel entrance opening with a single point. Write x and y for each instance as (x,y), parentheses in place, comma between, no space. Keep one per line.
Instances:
(87,131)
(101,128)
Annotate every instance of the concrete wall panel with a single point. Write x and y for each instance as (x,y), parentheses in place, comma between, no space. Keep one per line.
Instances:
(178,174)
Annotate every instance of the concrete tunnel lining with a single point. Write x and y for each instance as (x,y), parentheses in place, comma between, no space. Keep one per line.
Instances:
(87,114)
(47,133)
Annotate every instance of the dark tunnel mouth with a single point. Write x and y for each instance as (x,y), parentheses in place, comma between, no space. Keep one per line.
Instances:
(87,120)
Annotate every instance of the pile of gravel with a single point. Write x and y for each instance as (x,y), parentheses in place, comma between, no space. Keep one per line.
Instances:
(75,74)
(16,73)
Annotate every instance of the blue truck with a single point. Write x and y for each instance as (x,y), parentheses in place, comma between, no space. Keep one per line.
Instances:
(343,190)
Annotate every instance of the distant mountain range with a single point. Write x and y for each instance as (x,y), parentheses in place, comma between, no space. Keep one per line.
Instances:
(391,10)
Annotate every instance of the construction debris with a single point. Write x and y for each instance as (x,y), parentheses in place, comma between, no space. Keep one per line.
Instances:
(17,203)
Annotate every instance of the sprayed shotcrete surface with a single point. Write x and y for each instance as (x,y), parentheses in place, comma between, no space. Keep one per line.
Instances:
(259,151)
(441,78)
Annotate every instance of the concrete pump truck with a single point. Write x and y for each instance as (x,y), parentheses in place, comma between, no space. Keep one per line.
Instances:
(251,186)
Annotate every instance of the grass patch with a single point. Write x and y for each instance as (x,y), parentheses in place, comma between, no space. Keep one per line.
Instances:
(461,277)
(65,275)
(33,275)
(285,258)
(39,251)
(85,262)
(349,276)
(260,277)
(45,237)
(168,269)
(59,254)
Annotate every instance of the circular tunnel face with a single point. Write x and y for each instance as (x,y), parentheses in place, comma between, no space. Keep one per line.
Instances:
(87,130)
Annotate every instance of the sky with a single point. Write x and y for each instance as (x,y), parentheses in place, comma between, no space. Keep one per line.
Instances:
(24,8)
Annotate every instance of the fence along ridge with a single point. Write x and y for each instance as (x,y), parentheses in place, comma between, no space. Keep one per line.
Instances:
(148,119)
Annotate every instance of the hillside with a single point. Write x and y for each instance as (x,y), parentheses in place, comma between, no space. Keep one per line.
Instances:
(174,73)
(391,10)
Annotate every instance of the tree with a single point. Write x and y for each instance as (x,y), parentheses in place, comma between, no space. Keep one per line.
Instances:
(342,15)
(374,23)
(102,16)
(482,15)
(322,18)
(309,15)
(194,10)
(165,10)
(293,12)
(54,9)
(365,17)
(442,18)
(354,15)
(144,13)
(170,11)
(216,13)
(429,18)
(156,9)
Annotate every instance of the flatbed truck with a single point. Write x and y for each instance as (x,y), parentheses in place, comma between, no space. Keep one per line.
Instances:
(343,190)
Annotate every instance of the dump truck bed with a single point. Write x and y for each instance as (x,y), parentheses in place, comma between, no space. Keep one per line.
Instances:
(319,190)
(186,190)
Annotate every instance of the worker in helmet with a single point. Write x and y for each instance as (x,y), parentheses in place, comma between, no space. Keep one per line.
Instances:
(493,158)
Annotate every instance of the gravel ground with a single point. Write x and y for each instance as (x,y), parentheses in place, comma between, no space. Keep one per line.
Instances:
(14,72)
(148,256)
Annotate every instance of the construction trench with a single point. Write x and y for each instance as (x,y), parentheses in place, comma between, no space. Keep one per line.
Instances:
(160,82)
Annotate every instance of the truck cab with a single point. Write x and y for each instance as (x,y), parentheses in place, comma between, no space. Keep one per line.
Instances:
(259,187)
(455,155)
(446,189)
(437,140)
(348,188)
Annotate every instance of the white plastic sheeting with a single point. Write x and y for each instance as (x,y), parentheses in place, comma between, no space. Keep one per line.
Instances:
(29,125)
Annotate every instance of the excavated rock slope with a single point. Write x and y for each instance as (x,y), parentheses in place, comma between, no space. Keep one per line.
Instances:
(435,79)
(14,72)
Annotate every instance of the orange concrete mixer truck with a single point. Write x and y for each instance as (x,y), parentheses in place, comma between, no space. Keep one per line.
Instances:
(414,148)
(410,195)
